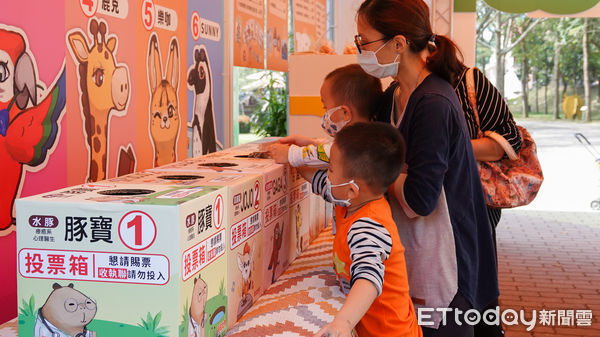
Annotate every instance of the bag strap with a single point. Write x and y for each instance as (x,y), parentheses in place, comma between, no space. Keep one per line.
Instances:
(471,92)
(508,149)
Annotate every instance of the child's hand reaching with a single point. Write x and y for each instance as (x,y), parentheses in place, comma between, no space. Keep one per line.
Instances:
(337,328)
(299,140)
(279,152)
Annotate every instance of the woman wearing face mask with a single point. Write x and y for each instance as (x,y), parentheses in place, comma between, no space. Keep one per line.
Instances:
(437,203)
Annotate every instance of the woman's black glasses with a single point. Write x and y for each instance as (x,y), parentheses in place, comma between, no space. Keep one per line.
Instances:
(358,44)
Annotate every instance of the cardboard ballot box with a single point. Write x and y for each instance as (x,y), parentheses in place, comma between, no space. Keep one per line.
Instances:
(244,207)
(276,238)
(123,259)
(274,193)
(308,218)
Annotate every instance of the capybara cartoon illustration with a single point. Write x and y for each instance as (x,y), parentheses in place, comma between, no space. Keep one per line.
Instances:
(66,313)
(197,313)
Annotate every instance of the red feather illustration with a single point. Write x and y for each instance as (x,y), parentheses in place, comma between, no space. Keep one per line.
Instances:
(28,128)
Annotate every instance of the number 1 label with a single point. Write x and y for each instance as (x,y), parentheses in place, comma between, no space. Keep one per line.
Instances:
(137,230)
(218,209)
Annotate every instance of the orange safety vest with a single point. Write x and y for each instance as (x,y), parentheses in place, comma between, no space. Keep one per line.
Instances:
(392,313)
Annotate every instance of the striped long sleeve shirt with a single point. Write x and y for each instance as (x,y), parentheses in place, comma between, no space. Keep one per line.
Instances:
(369,241)
(494,114)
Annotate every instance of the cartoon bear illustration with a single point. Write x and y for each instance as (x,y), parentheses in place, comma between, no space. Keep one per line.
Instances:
(66,313)
(197,321)
(245,265)
(277,241)
(204,139)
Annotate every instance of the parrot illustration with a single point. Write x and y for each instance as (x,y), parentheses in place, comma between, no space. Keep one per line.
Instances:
(29,125)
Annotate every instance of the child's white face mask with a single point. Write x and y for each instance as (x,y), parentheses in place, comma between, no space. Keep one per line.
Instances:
(329,194)
(328,125)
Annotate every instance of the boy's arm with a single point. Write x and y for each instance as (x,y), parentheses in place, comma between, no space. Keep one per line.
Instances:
(279,152)
(359,300)
(307,173)
(317,178)
(370,244)
(299,140)
(310,155)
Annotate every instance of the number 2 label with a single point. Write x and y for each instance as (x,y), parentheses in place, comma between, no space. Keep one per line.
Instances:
(256,194)
(137,230)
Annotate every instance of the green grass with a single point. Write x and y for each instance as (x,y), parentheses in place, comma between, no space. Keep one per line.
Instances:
(27,309)
(185,320)
(516,105)
(102,328)
(151,326)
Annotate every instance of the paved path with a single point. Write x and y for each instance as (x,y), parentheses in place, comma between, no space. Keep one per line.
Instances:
(571,176)
(549,251)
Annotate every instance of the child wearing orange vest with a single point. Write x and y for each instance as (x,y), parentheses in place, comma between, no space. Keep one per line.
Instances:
(368,257)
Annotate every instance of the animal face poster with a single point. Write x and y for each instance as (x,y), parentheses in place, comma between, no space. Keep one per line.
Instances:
(32,119)
(161,58)
(100,67)
(204,77)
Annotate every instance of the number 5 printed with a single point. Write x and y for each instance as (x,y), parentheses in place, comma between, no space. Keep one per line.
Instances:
(148,14)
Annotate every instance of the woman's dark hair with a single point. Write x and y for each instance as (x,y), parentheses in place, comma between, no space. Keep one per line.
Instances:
(411,19)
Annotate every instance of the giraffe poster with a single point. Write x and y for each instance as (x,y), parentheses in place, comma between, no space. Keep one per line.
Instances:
(99,78)
(32,99)
(205,77)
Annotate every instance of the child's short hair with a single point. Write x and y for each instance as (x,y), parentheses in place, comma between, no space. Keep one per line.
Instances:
(373,152)
(352,86)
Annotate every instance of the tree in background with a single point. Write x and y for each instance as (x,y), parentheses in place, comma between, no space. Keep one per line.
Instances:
(269,118)
(586,71)
(594,40)
(501,33)
(560,54)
